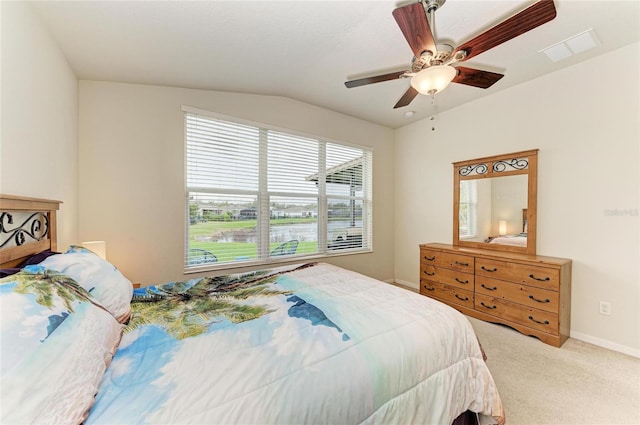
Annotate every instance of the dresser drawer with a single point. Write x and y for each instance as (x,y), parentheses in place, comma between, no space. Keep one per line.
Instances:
(450,277)
(541,277)
(530,317)
(530,293)
(530,296)
(446,293)
(447,260)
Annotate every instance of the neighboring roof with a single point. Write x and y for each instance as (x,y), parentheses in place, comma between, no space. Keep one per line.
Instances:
(343,173)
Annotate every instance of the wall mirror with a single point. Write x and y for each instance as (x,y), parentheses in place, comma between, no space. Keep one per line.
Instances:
(494,202)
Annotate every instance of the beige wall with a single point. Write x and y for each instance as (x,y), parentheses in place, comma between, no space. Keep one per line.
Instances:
(39,117)
(588,169)
(132,170)
(123,182)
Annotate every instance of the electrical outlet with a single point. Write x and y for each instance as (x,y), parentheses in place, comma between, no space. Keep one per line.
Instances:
(605,308)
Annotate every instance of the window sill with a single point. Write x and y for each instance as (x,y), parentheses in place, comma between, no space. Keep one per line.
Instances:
(273,262)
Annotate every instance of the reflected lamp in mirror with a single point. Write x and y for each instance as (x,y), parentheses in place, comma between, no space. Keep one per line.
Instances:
(502,228)
(97,247)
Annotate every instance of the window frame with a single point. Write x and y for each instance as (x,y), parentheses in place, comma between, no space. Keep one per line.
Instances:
(263,196)
(471,202)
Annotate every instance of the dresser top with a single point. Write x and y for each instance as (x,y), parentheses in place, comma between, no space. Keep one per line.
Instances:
(498,255)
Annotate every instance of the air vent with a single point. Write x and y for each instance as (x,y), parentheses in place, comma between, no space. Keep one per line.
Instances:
(576,44)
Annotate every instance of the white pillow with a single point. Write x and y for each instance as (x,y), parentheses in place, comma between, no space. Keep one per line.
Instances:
(57,342)
(101,278)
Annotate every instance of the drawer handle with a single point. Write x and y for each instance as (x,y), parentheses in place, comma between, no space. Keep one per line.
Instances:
(540,279)
(490,289)
(429,274)
(429,259)
(462,299)
(464,282)
(492,307)
(490,270)
(427,288)
(546,322)
(547,300)
(458,263)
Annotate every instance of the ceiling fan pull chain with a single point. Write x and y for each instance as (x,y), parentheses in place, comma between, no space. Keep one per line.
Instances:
(432,118)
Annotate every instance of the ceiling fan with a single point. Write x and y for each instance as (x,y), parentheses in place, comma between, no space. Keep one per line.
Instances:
(432,65)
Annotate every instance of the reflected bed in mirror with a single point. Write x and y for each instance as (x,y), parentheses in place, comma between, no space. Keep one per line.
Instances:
(514,239)
(495,202)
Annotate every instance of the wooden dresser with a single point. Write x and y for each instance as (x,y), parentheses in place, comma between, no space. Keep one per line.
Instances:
(529,293)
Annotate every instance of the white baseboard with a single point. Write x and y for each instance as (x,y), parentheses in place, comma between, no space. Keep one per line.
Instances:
(405,283)
(577,335)
(605,344)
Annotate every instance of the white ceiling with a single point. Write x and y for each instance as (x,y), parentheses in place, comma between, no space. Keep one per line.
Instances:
(306,50)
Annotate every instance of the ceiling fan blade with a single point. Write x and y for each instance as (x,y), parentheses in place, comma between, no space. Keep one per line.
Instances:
(375,79)
(412,20)
(530,18)
(476,77)
(406,98)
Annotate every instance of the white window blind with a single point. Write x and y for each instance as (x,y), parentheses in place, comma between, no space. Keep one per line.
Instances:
(258,194)
(468,222)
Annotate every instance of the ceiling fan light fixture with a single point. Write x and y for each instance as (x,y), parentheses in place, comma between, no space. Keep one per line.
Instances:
(433,79)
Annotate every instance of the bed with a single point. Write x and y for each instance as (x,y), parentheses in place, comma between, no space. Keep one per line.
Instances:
(518,239)
(301,344)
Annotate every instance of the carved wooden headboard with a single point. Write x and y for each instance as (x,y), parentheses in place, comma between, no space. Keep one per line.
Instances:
(27,226)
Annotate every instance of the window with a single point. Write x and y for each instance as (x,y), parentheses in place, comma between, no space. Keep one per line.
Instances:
(468,209)
(259,194)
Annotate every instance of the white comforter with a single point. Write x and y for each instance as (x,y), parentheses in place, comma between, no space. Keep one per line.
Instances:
(330,346)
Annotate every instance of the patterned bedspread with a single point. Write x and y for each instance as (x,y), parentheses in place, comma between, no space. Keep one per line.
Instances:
(318,344)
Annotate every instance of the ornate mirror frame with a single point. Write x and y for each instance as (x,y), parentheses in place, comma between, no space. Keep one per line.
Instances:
(517,163)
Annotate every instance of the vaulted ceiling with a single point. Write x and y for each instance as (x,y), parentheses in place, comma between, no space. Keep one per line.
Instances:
(306,50)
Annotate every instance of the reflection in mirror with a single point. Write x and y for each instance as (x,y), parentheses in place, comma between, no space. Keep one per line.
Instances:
(495,200)
(485,204)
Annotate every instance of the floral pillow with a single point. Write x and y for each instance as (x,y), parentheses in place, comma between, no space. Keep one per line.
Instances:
(57,342)
(101,278)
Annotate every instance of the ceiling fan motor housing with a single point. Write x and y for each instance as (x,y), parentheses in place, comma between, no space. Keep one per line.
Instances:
(441,57)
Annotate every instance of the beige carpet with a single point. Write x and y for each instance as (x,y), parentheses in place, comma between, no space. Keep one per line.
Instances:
(578,383)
